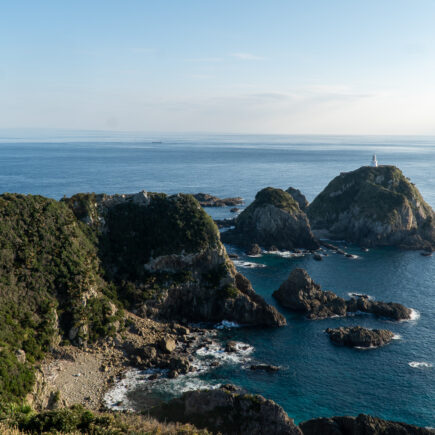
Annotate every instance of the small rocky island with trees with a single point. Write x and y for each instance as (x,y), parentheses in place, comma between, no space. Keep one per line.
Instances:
(110,282)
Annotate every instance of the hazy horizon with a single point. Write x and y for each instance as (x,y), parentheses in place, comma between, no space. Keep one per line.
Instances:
(280,67)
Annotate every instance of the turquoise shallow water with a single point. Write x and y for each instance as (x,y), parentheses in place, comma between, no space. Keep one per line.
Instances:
(317,378)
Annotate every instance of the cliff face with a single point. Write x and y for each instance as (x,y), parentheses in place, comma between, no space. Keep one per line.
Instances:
(165,256)
(374,206)
(50,287)
(227,410)
(273,219)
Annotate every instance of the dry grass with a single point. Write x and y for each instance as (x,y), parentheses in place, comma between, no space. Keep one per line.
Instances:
(129,424)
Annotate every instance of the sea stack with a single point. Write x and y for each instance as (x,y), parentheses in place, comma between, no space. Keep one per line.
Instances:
(300,293)
(273,219)
(374,206)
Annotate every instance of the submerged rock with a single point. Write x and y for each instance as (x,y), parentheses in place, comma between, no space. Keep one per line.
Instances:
(227,410)
(360,337)
(274,218)
(361,425)
(374,206)
(264,367)
(300,293)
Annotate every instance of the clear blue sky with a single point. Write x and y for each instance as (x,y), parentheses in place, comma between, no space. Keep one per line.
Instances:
(277,66)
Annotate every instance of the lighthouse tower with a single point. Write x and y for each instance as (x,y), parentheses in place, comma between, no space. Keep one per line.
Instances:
(374,162)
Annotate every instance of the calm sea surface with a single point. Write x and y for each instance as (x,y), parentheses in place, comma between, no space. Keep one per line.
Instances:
(317,378)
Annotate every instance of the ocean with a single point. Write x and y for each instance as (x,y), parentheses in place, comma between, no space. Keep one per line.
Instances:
(317,378)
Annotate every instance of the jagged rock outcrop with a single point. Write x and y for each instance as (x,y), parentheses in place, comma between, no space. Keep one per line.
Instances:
(374,206)
(206,200)
(358,336)
(299,197)
(300,293)
(165,255)
(227,410)
(361,425)
(273,219)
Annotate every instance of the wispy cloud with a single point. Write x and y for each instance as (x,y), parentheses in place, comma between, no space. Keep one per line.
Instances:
(246,56)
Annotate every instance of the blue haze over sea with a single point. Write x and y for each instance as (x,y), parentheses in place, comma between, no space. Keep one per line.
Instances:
(318,378)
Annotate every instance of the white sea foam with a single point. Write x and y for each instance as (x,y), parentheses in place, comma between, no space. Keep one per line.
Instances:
(415,315)
(356,295)
(226,324)
(397,337)
(205,358)
(247,264)
(216,352)
(285,254)
(420,364)
(116,397)
(255,255)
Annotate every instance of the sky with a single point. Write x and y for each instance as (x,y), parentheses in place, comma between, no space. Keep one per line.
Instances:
(266,67)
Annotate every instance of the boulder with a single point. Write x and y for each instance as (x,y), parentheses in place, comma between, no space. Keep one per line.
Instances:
(274,218)
(231,346)
(374,206)
(360,337)
(227,410)
(167,344)
(361,425)
(254,249)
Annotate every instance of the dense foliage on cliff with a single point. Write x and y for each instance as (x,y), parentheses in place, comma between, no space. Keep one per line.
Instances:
(48,268)
(274,219)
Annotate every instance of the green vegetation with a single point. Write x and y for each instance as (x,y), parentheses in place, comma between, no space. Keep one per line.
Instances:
(47,266)
(229,292)
(66,268)
(276,197)
(166,226)
(378,194)
(78,420)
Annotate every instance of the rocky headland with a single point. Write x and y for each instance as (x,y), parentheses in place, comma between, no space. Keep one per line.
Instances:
(374,206)
(110,272)
(300,293)
(273,219)
(358,336)
(363,424)
(229,411)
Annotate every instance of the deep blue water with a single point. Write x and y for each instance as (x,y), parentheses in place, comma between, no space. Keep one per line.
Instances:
(318,378)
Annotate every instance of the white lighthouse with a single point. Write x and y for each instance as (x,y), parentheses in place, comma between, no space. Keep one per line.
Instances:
(374,162)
